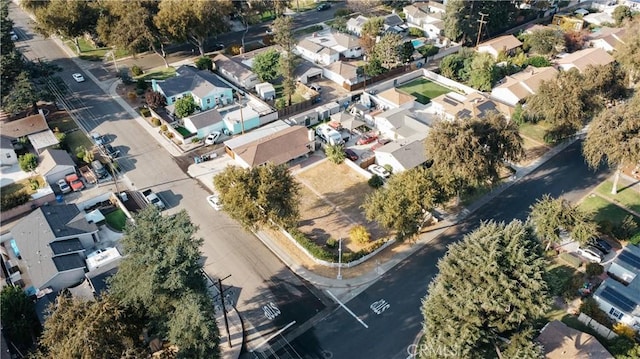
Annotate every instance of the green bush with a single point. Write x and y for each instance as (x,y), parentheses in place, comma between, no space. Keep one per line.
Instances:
(626,229)
(428,50)
(594,269)
(539,61)
(570,288)
(13,200)
(590,307)
(142,85)
(310,246)
(635,239)
(388,167)
(342,12)
(136,70)
(145,112)
(28,162)
(376,181)
(204,63)
(332,243)
(155,122)
(163,128)
(571,260)
(414,31)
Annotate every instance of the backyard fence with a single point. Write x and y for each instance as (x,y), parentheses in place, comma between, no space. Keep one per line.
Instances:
(599,328)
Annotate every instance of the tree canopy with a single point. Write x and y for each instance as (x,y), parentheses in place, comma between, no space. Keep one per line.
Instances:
(621,14)
(265,65)
(18,315)
(283,36)
(335,153)
(68,18)
(489,287)
(628,54)
(24,95)
(387,50)
(259,195)
(461,19)
(545,41)
(185,106)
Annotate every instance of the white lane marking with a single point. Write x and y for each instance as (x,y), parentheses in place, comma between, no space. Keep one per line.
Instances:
(347,309)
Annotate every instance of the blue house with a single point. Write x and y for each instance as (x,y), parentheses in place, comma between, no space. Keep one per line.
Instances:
(207,89)
(236,119)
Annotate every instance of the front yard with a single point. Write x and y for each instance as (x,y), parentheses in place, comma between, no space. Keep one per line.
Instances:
(424,90)
(92,53)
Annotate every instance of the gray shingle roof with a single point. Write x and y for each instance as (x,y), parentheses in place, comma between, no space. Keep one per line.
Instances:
(409,152)
(66,246)
(392,20)
(190,79)
(206,118)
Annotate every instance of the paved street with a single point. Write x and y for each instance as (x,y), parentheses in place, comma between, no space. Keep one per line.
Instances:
(399,292)
(267,293)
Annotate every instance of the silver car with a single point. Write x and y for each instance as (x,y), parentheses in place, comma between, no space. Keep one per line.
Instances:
(591,253)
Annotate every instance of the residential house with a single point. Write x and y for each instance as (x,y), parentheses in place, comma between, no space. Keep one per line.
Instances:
(203,123)
(599,18)
(453,105)
(393,23)
(355,24)
(346,121)
(607,38)
(341,73)
(418,15)
(621,300)
(278,145)
(394,98)
(515,88)
(306,72)
(240,119)
(399,123)
(437,7)
(54,165)
(634,5)
(34,127)
(316,53)
(347,45)
(50,245)
(502,44)
(581,59)
(403,154)
(266,91)
(207,89)
(8,155)
(560,342)
(235,71)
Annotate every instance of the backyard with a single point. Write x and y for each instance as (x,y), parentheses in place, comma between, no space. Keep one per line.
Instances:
(424,90)
(330,208)
(116,220)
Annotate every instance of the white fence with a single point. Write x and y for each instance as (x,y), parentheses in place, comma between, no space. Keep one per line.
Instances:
(599,328)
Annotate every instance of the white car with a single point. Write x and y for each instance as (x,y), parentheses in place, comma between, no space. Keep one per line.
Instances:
(78,77)
(214,201)
(98,139)
(64,186)
(212,138)
(13,35)
(592,254)
(379,170)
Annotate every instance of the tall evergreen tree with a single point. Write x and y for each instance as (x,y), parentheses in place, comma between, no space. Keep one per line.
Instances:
(490,287)
(283,36)
(18,315)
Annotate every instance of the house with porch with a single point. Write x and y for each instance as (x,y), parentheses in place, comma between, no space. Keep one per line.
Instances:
(582,59)
(513,89)
(207,89)
(506,44)
(34,127)
(235,71)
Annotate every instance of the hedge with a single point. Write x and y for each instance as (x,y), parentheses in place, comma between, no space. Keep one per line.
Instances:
(321,253)
(13,200)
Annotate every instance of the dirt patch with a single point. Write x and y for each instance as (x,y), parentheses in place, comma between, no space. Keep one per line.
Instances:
(532,150)
(126,92)
(331,196)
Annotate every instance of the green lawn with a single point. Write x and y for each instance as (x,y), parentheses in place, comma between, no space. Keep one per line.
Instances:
(63,124)
(308,30)
(535,131)
(76,139)
(604,210)
(424,90)
(88,52)
(162,73)
(116,220)
(627,197)
(183,131)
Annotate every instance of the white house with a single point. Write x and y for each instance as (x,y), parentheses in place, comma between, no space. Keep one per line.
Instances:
(347,45)
(235,72)
(341,72)
(54,165)
(581,59)
(399,123)
(505,43)
(515,88)
(317,53)
(419,16)
(203,123)
(607,38)
(626,266)
(403,154)
(8,155)
(599,18)
(266,91)
(454,105)
(355,24)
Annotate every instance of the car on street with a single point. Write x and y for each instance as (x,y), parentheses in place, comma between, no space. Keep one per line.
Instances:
(591,253)
(218,47)
(214,201)
(111,151)
(75,182)
(212,138)
(64,186)
(323,6)
(366,139)
(350,154)
(379,170)
(99,139)
(269,31)
(78,77)
(601,244)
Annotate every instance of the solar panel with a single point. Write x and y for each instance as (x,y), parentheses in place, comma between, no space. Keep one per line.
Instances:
(617,299)
(629,259)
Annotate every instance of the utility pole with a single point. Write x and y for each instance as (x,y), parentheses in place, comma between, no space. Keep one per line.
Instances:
(339,259)
(482,21)
(241,114)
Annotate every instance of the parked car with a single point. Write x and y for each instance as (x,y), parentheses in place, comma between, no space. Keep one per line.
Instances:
(64,186)
(111,151)
(75,182)
(350,154)
(98,138)
(323,6)
(13,35)
(366,139)
(601,245)
(316,87)
(214,201)
(379,170)
(591,253)
(99,169)
(212,138)
(78,77)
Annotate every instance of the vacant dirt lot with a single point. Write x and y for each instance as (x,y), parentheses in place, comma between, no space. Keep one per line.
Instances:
(330,205)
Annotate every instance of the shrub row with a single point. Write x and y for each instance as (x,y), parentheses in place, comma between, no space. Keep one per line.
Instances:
(323,254)
(13,200)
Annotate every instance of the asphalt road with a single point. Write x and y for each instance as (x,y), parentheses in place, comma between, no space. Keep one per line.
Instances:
(265,291)
(389,333)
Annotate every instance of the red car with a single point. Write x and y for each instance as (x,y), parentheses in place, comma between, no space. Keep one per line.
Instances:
(366,139)
(381,142)
(75,182)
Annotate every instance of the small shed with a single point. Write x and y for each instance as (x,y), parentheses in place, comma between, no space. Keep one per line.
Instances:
(266,91)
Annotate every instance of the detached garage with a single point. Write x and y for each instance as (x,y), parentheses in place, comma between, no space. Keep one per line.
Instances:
(54,165)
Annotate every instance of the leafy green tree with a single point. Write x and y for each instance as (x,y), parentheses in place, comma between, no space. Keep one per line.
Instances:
(622,13)
(204,63)
(405,52)
(538,61)
(23,96)
(260,195)
(387,50)
(191,20)
(283,30)
(370,30)
(489,288)
(550,216)
(155,99)
(428,50)
(11,66)
(483,72)
(457,66)
(470,152)
(6,26)
(362,6)
(19,319)
(546,42)
(404,203)
(461,19)
(604,83)
(28,162)
(86,155)
(265,65)
(628,54)
(185,106)
(69,18)
(161,278)
(614,136)
(335,153)
(523,345)
(91,329)
(373,67)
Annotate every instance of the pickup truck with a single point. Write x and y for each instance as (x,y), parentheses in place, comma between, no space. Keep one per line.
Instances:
(153,199)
